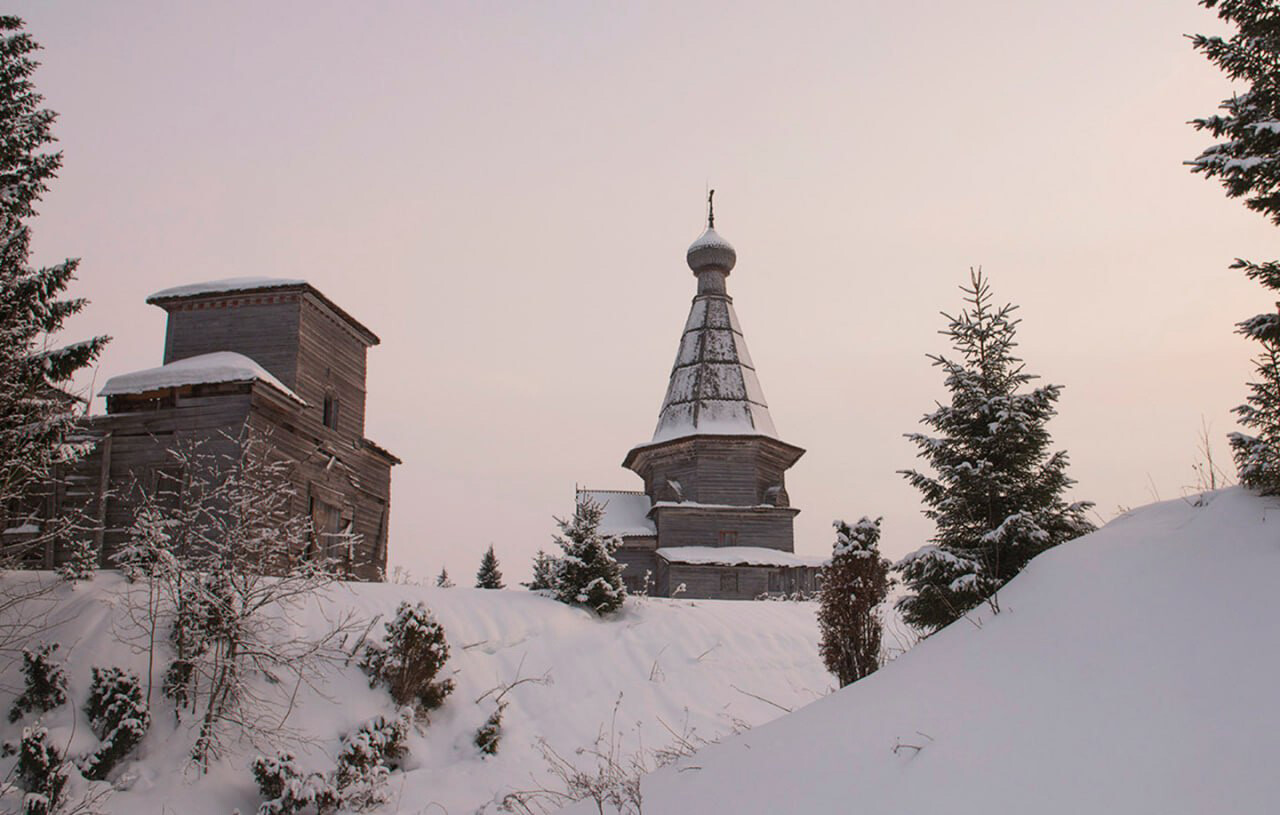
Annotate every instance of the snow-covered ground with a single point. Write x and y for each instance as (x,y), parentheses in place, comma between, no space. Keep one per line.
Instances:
(702,667)
(1134,670)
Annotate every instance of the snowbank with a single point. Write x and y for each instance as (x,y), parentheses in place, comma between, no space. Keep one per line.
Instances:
(714,665)
(1133,670)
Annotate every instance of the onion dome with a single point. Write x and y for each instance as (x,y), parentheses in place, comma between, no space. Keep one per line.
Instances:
(710,252)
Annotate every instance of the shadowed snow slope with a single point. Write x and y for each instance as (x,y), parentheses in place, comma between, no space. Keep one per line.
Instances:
(1133,670)
(670,660)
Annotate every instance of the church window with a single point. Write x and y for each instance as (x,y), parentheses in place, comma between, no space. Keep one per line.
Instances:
(729,583)
(331,411)
(729,538)
(775,581)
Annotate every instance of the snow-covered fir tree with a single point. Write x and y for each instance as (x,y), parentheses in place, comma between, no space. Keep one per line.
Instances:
(853,586)
(489,576)
(1247,162)
(544,572)
(996,492)
(118,715)
(41,771)
(409,659)
(442,579)
(44,683)
(587,573)
(37,416)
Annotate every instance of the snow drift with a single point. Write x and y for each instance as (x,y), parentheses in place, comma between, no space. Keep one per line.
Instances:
(702,668)
(1133,670)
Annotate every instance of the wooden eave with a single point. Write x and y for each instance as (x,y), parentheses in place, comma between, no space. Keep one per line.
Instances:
(787,454)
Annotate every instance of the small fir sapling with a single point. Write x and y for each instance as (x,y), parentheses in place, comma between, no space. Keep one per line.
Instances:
(410,658)
(489,576)
(41,771)
(118,715)
(45,683)
(442,580)
(854,584)
(489,734)
(587,573)
(82,561)
(544,572)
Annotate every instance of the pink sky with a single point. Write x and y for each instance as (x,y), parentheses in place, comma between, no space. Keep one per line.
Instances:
(504,193)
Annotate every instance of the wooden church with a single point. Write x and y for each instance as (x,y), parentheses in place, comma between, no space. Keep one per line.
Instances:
(271,355)
(714,519)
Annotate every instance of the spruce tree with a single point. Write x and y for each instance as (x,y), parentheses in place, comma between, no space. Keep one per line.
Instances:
(36,413)
(442,579)
(587,574)
(489,576)
(544,572)
(996,493)
(853,586)
(1246,161)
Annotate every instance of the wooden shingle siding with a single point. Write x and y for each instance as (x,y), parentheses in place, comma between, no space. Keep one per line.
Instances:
(768,529)
(331,360)
(266,332)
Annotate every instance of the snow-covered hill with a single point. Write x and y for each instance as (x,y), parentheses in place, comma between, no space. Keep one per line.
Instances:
(703,668)
(1134,670)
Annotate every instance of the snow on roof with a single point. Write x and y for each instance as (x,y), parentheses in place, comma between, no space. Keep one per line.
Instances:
(206,369)
(228,284)
(713,389)
(626,514)
(707,240)
(736,556)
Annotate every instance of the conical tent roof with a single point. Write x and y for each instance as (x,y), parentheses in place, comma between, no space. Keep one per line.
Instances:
(713,388)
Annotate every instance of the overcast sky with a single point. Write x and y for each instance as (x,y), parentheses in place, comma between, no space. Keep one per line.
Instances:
(505,191)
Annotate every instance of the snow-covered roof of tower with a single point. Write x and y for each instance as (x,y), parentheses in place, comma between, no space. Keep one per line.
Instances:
(736,556)
(172,297)
(206,369)
(226,285)
(626,514)
(713,388)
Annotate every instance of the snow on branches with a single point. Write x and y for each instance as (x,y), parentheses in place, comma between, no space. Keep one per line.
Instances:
(995,493)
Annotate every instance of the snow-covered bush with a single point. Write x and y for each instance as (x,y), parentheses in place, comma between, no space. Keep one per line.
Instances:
(45,683)
(587,573)
(42,773)
(489,734)
(118,715)
(367,757)
(410,658)
(229,554)
(365,760)
(854,584)
(288,791)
